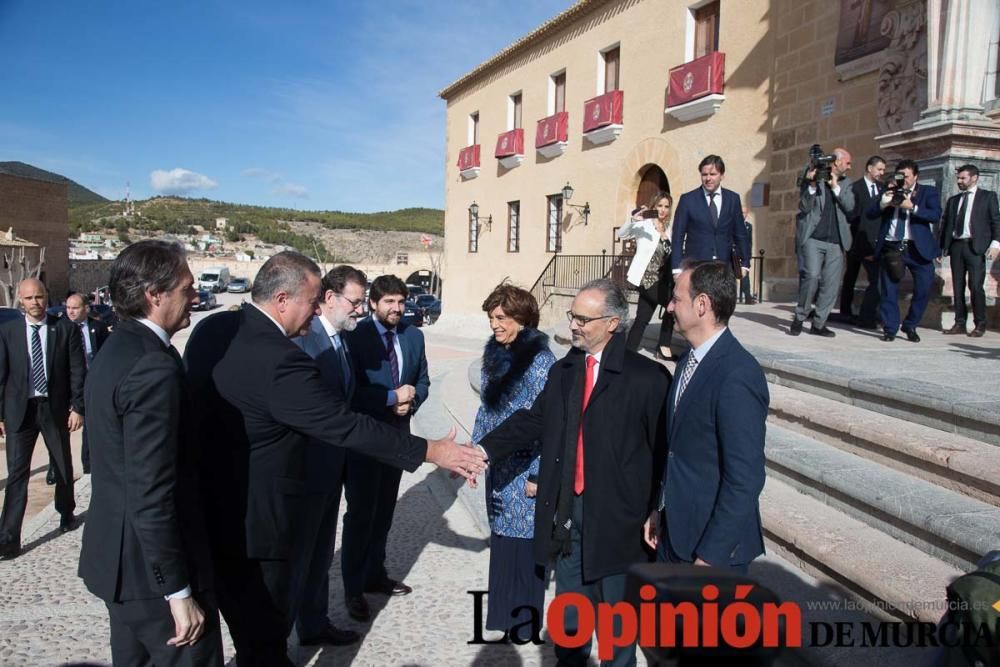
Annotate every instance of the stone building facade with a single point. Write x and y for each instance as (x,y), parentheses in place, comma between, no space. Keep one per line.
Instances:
(899,78)
(36,210)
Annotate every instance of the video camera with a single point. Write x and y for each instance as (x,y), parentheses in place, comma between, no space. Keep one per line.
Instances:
(897,188)
(821,162)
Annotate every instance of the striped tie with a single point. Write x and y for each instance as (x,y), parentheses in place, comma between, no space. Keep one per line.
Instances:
(38,361)
(686,374)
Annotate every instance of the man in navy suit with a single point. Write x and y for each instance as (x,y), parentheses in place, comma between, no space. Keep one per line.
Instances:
(392,384)
(906,236)
(716,409)
(970,232)
(709,222)
(343,298)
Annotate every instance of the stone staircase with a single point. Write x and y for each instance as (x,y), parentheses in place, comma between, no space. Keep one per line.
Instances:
(888,489)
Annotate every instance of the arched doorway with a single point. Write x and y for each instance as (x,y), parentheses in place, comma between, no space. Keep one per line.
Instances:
(653,180)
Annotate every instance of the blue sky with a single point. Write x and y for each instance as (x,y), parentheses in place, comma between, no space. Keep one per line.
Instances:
(305,104)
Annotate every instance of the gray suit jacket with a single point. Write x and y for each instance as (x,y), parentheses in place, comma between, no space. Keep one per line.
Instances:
(811,212)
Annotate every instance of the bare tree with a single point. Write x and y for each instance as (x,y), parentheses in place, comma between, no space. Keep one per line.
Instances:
(18,267)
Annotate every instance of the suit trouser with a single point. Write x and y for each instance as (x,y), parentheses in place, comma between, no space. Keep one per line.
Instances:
(964,260)
(870,300)
(923,276)
(255,600)
(823,263)
(84,453)
(140,630)
(852,267)
(649,299)
(610,589)
(313,557)
(38,418)
(371,489)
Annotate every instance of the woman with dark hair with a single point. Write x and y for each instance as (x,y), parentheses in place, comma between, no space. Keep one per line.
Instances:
(516,363)
(649,271)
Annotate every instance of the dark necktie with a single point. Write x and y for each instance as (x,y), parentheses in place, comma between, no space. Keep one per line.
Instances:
(712,209)
(962,208)
(588,388)
(390,350)
(38,361)
(689,367)
(874,191)
(338,343)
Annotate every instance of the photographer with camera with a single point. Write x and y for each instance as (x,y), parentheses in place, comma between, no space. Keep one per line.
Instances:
(822,235)
(906,241)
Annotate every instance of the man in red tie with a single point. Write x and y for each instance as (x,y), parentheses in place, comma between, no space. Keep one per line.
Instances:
(600,420)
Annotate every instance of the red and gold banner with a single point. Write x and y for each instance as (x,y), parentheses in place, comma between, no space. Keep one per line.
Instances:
(603,110)
(552,129)
(698,78)
(510,143)
(468,157)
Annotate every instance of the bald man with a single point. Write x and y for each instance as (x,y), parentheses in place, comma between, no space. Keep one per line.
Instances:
(42,369)
(822,236)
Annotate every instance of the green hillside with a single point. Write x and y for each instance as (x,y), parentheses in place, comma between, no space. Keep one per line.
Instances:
(176,215)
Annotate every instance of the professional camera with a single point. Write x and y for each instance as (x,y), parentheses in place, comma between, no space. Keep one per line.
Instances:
(897,188)
(821,162)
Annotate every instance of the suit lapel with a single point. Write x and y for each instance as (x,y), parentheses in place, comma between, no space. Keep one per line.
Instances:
(50,346)
(703,374)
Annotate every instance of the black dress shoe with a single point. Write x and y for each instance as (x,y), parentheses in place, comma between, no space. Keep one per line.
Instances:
(978,332)
(911,334)
(332,636)
(888,337)
(67,523)
(796,328)
(9,550)
(825,332)
(390,587)
(50,476)
(358,609)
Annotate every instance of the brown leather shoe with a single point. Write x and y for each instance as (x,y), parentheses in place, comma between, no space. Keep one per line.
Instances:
(957,328)
(390,587)
(978,331)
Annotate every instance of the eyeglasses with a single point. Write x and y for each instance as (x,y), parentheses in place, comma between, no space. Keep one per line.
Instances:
(355,303)
(582,320)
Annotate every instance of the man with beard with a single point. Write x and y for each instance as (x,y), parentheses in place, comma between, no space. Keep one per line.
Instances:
(392,385)
(343,298)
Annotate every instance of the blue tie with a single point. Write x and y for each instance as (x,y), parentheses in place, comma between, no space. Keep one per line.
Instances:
(345,368)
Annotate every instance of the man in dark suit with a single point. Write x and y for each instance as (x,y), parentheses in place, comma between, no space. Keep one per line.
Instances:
(600,420)
(392,385)
(283,403)
(970,232)
(709,512)
(906,241)
(145,550)
(822,235)
(41,391)
(709,222)
(93,333)
(864,230)
(343,300)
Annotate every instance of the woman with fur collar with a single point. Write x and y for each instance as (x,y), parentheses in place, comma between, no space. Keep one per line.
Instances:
(516,363)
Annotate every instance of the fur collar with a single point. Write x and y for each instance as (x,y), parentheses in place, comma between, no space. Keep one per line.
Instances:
(506,366)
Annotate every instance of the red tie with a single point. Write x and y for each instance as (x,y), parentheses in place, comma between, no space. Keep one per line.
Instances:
(588,388)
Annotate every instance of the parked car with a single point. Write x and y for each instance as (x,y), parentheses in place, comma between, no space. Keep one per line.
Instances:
(56,311)
(412,314)
(105,313)
(431,305)
(238,286)
(215,278)
(415,290)
(206,300)
(9,314)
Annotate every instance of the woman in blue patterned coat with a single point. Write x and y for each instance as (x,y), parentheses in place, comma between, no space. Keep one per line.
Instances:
(516,363)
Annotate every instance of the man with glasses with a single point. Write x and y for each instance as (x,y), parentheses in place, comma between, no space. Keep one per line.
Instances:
(343,297)
(600,420)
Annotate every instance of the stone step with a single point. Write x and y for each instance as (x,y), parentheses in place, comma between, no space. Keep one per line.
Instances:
(898,580)
(944,524)
(973,414)
(955,462)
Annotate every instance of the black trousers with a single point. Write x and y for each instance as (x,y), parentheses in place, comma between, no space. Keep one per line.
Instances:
(964,261)
(140,630)
(650,299)
(869,303)
(38,419)
(255,599)
(371,489)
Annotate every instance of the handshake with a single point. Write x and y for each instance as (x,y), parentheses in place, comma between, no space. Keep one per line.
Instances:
(465,460)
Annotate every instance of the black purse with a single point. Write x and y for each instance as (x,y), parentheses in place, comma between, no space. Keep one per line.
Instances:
(892,259)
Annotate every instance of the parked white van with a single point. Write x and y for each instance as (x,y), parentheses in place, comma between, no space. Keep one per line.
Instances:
(214,278)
